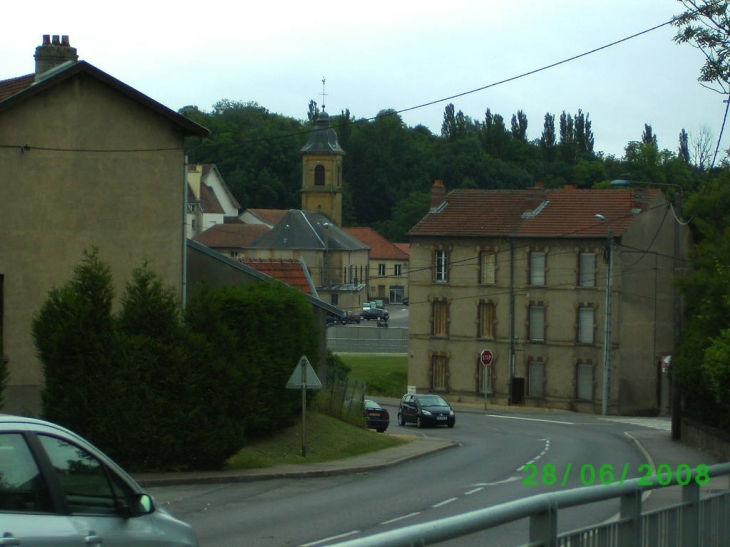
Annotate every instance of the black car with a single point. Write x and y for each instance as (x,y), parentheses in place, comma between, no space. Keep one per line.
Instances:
(336,320)
(425,409)
(377,313)
(377,417)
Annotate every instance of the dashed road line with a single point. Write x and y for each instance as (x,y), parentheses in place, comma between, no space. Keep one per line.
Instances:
(330,538)
(396,519)
(470,492)
(529,419)
(445,502)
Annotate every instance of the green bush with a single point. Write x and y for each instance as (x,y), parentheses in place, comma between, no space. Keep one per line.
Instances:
(160,393)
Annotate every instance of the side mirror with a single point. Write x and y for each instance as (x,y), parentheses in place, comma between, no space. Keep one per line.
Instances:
(140,505)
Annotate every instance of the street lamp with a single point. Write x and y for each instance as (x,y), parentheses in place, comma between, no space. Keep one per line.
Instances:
(678,202)
(607,338)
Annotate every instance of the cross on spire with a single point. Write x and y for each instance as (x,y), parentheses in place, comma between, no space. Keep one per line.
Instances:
(323,93)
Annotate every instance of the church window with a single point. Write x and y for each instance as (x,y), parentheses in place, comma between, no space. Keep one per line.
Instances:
(319,175)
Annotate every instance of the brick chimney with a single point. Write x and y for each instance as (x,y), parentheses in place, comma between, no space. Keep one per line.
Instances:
(54,52)
(438,194)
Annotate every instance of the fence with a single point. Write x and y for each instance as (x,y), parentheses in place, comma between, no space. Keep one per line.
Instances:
(349,339)
(694,522)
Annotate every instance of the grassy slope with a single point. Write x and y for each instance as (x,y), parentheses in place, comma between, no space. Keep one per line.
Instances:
(329,438)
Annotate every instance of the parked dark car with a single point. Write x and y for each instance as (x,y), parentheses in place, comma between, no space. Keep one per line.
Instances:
(378,418)
(352,317)
(425,409)
(377,314)
(335,320)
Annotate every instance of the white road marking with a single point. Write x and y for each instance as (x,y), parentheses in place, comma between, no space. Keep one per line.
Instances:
(330,538)
(441,504)
(401,518)
(470,492)
(529,419)
(505,481)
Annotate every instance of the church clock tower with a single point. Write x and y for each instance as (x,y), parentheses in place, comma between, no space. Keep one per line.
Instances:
(322,171)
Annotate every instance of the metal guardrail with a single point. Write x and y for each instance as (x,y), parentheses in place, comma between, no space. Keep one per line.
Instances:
(694,522)
(349,339)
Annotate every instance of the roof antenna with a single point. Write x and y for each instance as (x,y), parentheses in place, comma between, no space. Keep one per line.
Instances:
(323,93)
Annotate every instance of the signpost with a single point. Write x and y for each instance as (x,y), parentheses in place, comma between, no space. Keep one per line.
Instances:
(304,378)
(486,357)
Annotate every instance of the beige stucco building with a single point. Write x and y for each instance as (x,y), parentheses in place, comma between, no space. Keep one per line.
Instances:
(522,274)
(87,161)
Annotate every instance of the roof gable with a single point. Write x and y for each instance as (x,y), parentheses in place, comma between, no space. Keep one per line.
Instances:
(380,247)
(15,93)
(312,231)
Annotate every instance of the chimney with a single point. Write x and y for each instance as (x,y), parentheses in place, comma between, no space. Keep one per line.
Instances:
(438,195)
(54,52)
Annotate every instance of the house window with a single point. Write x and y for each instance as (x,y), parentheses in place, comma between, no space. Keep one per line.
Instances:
(439,372)
(537,269)
(486,320)
(536,379)
(487,267)
(442,266)
(536,327)
(381,269)
(587,269)
(334,299)
(398,270)
(584,381)
(319,175)
(586,325)
(440,318)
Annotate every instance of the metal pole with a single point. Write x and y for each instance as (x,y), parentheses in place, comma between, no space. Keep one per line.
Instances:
(304,409)
(607,341)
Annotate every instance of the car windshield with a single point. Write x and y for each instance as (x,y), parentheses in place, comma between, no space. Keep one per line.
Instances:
(433,400)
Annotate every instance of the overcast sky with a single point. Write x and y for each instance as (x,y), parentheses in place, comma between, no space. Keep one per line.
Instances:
(394,54)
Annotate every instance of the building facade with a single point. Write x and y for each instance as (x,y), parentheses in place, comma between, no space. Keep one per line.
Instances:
(524,275)
(72,184)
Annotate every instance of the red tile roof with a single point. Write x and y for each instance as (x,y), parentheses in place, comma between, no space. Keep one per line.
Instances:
(535,212)
(231,236)
(14,85)
(288,271)
(379,246)
(405,247)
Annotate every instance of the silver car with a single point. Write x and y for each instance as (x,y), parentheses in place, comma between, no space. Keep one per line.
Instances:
(58,489)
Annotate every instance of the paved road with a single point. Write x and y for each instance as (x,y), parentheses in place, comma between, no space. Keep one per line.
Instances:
(487,468)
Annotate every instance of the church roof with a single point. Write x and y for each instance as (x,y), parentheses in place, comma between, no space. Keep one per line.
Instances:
(310,231)
(323,138)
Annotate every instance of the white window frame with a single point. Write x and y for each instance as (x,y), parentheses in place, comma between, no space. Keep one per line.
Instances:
(441,269)
(586,325)
(536,325)
(587,270)
(536,379)
(538,260)
(584,381)
(488,268)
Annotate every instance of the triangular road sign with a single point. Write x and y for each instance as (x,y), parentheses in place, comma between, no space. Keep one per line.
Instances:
(304,376)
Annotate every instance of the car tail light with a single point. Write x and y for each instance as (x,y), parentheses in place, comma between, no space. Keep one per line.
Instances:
(385,414)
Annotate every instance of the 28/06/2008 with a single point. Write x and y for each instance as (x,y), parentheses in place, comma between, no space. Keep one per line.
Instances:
(607,474)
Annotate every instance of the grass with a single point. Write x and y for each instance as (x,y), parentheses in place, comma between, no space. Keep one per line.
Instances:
(385,375)
(327,439)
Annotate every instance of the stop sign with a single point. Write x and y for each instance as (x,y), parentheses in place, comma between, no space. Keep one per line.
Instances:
(486,357)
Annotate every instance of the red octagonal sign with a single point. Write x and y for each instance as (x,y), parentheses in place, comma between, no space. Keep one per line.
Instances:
(486,357)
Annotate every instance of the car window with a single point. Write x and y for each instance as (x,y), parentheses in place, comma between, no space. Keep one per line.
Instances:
(22,487)
(433,400)
(89,487)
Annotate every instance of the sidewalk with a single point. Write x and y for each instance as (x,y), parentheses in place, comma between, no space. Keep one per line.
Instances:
(656,445)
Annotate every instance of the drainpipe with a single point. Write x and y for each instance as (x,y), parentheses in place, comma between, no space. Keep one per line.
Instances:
(185,234)
(511,317)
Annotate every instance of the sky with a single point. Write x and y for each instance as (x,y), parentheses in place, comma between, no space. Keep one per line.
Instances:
(396,54)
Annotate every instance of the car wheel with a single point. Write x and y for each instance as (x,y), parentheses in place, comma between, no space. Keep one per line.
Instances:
(401,421)
(419,423)
(380,430)
(451,424)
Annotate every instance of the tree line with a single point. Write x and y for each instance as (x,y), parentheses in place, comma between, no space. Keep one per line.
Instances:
(389,167)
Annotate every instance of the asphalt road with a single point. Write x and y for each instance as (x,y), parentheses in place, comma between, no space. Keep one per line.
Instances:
(487,469)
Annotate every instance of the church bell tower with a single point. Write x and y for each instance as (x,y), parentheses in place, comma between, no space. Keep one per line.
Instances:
(322,171)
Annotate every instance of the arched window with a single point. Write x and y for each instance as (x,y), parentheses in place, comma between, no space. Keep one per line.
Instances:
(319,175)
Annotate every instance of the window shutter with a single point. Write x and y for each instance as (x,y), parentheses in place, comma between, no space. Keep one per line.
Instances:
(586,320)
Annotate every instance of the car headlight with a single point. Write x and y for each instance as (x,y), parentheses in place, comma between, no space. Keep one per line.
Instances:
(425,413)
(451,412)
